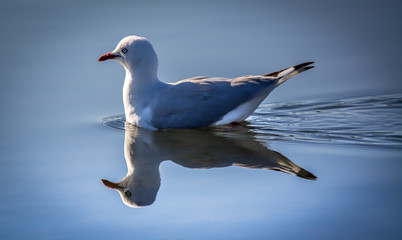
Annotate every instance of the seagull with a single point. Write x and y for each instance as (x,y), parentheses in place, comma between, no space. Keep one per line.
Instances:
(190,103)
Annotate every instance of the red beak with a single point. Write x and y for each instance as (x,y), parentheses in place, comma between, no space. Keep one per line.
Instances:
(107,56)
(110,184)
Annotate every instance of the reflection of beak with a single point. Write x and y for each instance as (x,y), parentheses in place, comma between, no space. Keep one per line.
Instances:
(110,184)
(107,56)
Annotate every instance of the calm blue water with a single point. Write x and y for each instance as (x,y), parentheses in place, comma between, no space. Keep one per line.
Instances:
(61,124)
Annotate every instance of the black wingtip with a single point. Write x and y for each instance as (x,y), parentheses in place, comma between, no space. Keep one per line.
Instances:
(302,65)
(309,67)
(306,174)
(300,68)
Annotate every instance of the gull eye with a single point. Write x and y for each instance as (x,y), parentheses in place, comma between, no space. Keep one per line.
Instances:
(124,50)
(127,193)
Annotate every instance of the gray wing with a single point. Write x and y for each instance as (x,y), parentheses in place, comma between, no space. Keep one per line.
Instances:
(202,101)
(199,102)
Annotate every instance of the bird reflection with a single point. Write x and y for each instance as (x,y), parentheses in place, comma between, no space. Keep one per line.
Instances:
(144,151)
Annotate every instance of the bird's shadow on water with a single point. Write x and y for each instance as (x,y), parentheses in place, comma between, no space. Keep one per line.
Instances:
(145,150)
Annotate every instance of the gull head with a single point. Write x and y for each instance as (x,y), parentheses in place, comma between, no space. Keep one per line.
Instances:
(135,192)
(135,54)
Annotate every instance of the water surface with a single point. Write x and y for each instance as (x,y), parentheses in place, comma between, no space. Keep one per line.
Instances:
(339,122)
(342,141)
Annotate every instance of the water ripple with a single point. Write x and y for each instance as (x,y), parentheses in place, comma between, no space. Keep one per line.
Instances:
(371,121)
(362,120)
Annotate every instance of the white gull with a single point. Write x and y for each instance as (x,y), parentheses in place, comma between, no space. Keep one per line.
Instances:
(189,103)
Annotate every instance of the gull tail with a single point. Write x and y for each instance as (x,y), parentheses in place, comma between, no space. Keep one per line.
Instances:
(287,73)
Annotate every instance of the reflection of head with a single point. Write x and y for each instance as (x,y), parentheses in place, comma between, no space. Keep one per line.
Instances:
(140,186)
(136,191)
